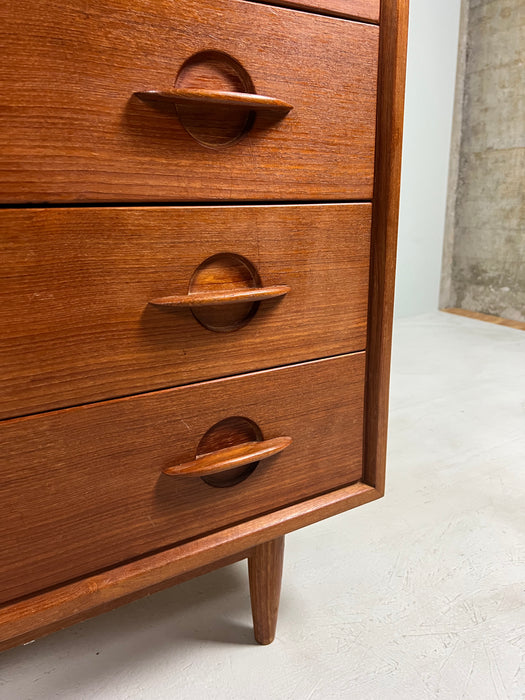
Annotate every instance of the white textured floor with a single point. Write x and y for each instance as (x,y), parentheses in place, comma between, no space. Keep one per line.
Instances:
(419,595)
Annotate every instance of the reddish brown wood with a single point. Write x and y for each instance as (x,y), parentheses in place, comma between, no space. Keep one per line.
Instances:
(46,612)
(82,488)
(216,97)
(265,567)
(367,10)
(77,327)
(233,296)
(488,318)
(83,141)
(15,617)
(229,458)
(89,139)
(215,125)
(391,90)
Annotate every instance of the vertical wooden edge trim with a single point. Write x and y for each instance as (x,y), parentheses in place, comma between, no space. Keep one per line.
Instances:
(393,30)
(48,612)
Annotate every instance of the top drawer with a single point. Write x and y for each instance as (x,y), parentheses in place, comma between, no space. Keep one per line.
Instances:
(72,129)
(356,9)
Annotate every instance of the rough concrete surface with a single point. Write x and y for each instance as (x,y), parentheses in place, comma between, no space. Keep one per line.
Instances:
(418,596)
(485,271)
(445,291)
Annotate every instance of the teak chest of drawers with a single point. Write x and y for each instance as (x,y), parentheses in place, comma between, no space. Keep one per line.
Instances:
(199,218)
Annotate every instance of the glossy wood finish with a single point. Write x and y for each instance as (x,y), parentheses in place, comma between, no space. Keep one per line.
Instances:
(33,617)
(394,30)
(228,458)
(367,10)
(216,97)
(89,139)
(90,477)
(77,327)
(265,567)
(25,619)
(234,296)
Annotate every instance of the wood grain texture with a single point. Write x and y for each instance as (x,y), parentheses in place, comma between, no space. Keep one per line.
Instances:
(216,97)
(265,568)
(86,138)
(391,91)
(77,327)
(83,489)
(367,10)
(229,458)
(77,486)
(518,325)
(52,610)
(233,296)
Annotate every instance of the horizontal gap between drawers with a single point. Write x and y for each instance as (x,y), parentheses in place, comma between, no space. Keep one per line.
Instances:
(178,386)
(318,11)
(214,203)
(174,545)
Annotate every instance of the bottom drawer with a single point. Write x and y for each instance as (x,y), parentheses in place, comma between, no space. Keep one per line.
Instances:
(83,488)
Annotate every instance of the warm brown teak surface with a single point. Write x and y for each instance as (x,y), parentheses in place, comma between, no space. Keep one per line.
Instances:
(92,481)
(195,292)
(354,9)
(84,137)
(75,292)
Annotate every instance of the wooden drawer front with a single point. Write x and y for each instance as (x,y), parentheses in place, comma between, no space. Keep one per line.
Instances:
(356,9)
(71,130)
(82,489)
(77,327)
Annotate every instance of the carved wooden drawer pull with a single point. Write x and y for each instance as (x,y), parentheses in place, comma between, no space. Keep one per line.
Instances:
(220,297)
(229,458)
(216,97)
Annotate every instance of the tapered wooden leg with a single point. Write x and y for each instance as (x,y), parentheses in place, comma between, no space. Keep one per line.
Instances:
(265,568)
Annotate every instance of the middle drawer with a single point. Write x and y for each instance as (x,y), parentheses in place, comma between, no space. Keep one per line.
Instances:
(76,285)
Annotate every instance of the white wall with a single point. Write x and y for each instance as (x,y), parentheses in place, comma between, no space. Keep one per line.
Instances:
(431,76)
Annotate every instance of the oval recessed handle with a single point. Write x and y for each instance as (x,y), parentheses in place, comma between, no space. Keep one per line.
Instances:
(215,97)
(220,297)
(229,458)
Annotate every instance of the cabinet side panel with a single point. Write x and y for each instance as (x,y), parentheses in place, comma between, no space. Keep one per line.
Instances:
(389,140)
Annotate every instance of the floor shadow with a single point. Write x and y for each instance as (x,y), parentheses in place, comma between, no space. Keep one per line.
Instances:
(213,608)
